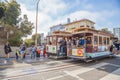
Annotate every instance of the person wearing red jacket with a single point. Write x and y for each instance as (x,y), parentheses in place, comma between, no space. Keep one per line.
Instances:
(44,53)
(38,52)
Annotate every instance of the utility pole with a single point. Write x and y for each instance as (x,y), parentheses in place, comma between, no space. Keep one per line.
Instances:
(36,22)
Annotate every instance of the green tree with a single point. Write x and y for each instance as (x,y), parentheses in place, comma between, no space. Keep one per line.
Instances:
(12,12)
(21,27)
(9,20)
(26,26)
(29,42)
(1,12)
(15,41)
(38,38)
(15,38)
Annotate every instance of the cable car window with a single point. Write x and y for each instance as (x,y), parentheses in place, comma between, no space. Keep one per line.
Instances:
(89,40)
(100,40)
(95,40)
(108,41)
(104,40)
(54,41)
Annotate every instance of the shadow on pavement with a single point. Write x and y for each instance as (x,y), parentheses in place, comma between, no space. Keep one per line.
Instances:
(112,66)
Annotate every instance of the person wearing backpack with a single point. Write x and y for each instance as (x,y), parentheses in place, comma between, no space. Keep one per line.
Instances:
(17,54)
(22,50)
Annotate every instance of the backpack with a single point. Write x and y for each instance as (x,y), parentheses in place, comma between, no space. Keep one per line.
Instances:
(23,48)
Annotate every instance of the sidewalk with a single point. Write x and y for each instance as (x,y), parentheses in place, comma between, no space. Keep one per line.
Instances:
(27,62)
(21,63)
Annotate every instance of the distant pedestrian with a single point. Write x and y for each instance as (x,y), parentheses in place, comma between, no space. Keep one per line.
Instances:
(7,50)
(38,52)
(17,54)
(22,50)
(44,50)
(34,52)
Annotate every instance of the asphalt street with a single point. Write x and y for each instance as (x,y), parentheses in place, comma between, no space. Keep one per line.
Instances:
(103,69)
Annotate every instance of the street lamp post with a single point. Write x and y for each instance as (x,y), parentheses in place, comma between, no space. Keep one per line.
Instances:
(36,22)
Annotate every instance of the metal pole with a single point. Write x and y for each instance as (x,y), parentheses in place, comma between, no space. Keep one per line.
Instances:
(7,36)
(36,22)
(85,44)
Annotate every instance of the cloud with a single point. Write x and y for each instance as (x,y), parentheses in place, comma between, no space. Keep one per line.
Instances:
(47,11)
(52,7)
(51,13)
(42,18)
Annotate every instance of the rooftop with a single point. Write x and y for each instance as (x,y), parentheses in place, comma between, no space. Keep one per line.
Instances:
(80,21)
(73,22)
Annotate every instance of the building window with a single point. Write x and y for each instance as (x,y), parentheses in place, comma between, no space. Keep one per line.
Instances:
(104,39)
(107,41)
(54,41)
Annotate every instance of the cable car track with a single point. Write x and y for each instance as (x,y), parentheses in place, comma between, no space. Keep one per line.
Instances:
(35,71)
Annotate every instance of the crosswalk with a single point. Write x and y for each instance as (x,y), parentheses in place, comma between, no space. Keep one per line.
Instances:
(98,71)
(16,72)
(115,75)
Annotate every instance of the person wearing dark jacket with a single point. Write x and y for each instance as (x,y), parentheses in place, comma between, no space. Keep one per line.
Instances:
(73,42)
(7,50)
(63,47)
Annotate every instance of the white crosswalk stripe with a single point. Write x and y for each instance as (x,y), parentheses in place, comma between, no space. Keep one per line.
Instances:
(115,75)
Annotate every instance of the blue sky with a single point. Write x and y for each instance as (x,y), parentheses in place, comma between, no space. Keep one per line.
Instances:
(105,13)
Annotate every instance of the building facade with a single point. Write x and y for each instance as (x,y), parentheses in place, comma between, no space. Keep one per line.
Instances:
(69,27)
(42,38)
(116,32)
(59,27)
